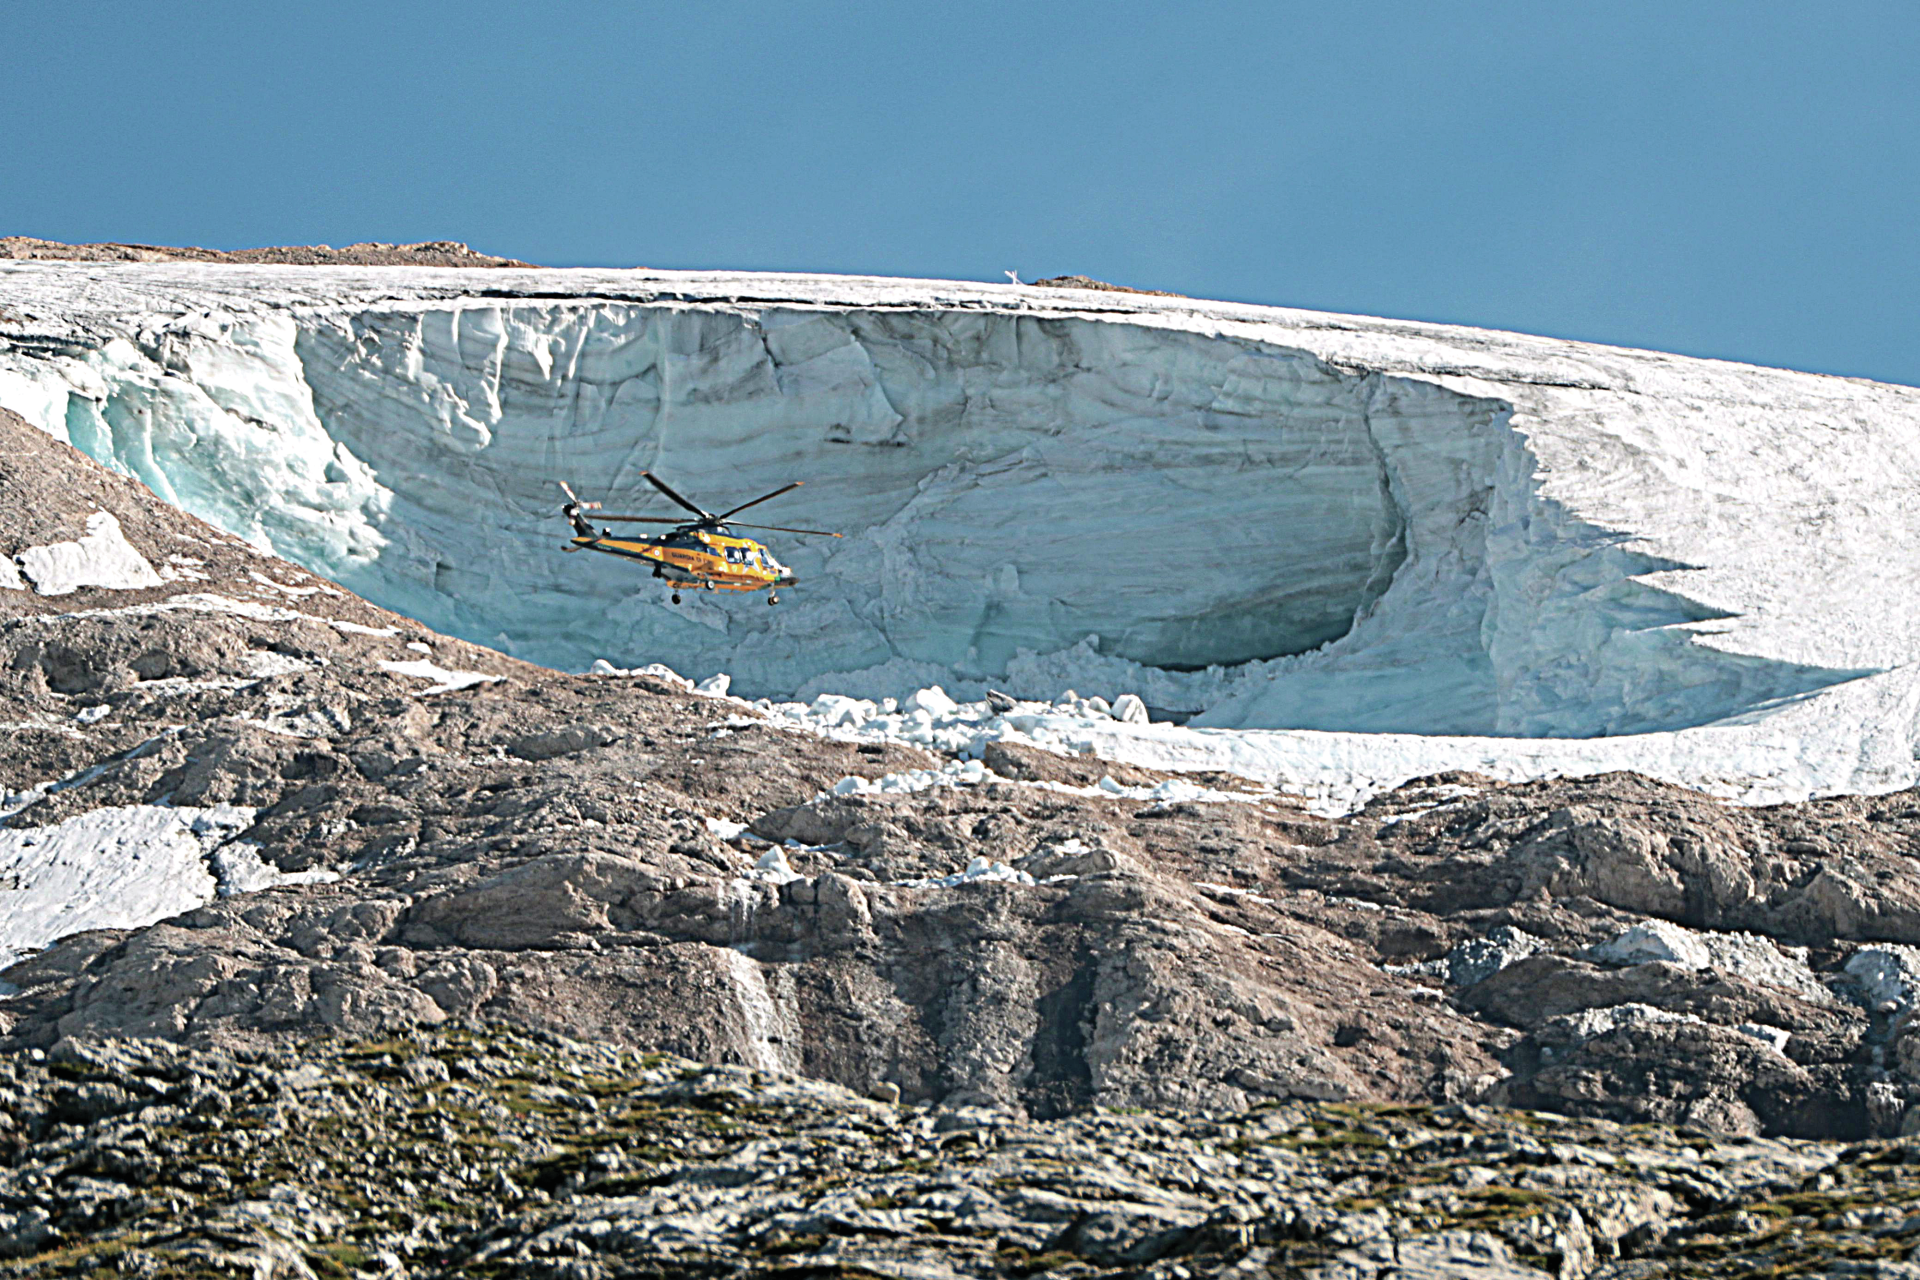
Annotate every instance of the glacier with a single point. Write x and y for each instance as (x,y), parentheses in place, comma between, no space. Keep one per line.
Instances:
(1343,550)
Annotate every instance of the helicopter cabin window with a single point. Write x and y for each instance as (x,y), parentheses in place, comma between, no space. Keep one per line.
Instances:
(734,555)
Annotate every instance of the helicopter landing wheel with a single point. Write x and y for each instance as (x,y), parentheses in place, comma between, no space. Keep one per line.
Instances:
(707,586)
(773,599)
(676,597)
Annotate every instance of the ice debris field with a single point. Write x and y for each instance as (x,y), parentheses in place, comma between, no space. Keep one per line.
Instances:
(1323,551)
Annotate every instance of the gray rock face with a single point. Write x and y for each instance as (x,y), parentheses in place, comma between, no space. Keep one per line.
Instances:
(1477,959)
(461,840)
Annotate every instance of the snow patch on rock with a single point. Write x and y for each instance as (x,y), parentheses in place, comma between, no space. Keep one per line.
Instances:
(111,868)
(1590,1024)
(239,868)
(195,602)
(658,671)
(979,870)
(1743,955)
(443,680)
(773,868)
(357,629)
(955,774)
(1775,1038)
(101,558)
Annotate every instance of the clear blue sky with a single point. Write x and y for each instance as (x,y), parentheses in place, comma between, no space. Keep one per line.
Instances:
(1728,179)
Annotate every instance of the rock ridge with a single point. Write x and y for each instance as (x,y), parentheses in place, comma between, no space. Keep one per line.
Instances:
(432,253)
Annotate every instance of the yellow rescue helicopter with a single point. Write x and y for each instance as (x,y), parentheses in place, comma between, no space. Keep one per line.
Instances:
(700,553)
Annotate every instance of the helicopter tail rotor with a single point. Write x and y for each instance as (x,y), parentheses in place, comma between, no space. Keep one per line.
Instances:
(572,509)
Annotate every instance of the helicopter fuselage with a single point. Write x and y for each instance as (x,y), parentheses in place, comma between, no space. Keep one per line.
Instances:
(720,562)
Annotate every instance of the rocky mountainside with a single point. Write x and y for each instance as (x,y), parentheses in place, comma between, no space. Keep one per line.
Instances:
(500,1155)
(256,817)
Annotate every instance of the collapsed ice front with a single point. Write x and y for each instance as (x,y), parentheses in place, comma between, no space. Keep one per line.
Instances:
(1266,518)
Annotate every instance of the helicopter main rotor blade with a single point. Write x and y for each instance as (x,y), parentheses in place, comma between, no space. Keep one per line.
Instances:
(781,528)
(785,488)
(647,519)
(663,487)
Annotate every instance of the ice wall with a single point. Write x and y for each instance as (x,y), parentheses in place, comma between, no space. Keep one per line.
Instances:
(1005,483)
(1271,519)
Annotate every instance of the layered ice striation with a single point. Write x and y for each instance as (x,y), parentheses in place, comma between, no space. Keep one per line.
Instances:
(1263,519)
